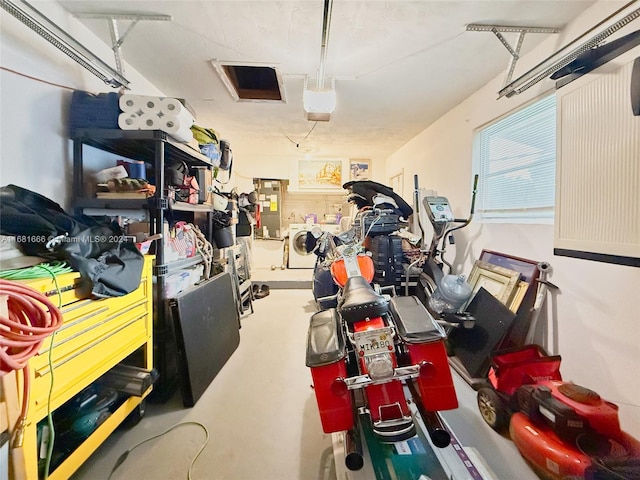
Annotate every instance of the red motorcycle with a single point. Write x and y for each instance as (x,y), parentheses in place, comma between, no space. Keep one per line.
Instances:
(363,352)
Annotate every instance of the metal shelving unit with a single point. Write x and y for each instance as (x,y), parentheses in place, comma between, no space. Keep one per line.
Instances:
(159,149)
(185,263)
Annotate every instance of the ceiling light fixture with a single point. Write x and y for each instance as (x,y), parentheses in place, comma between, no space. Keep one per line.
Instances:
(320,103)
(567,54)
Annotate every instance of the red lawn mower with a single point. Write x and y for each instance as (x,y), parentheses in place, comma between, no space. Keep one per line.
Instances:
(563,430)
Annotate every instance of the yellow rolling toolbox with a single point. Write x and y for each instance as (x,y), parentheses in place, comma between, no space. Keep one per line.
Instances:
(96,335)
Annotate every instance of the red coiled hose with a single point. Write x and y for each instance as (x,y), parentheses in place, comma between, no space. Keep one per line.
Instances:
(31,319)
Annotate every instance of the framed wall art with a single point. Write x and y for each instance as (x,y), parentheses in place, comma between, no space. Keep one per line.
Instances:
(359,169)
(319,174)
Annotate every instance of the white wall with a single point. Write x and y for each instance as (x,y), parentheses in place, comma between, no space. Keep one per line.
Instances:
(35,152)
(287,168)
(593,321)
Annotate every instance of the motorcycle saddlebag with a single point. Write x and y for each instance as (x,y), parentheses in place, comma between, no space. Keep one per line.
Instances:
(373,225)
(425,341)
(324,288)
(386,253)
(326,357)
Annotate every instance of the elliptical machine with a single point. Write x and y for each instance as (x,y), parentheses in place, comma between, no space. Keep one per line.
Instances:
(431,278)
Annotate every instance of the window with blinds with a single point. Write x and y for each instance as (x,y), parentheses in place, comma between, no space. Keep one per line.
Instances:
(516,159)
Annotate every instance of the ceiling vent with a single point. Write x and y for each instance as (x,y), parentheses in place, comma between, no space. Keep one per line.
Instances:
(251,82)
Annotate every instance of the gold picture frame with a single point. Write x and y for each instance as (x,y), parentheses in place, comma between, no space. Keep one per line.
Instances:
(500,282)
(521,291)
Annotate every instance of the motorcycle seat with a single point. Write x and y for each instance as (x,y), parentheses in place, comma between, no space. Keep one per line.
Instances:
(414,322)
(359,301)
(325,339)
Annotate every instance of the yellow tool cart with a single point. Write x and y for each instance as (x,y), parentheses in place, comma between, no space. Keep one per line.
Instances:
(96,335)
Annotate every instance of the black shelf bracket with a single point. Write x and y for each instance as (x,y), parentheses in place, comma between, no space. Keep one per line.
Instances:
(161,203)
(160,270)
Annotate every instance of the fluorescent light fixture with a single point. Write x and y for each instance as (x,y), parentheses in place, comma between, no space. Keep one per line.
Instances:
(567,54)
(60,39)
(319,104)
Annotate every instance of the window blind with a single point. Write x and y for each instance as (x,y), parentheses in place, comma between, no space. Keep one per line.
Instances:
(517,158)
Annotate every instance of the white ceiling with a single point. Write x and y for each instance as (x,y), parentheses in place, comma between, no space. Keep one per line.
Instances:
(399,65)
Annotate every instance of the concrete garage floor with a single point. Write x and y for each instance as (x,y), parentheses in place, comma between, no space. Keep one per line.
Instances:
(261,415)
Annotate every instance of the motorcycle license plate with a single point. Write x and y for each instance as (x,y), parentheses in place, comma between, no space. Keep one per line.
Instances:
(375,341)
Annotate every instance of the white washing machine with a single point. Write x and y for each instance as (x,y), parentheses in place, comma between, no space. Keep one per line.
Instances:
(298,256)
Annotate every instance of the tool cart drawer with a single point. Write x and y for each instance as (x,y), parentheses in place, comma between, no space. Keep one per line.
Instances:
(95,336)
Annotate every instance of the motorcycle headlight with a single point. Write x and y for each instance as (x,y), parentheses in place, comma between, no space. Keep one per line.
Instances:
(379,366)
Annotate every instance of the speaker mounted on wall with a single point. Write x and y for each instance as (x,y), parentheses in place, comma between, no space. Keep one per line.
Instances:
(635,87)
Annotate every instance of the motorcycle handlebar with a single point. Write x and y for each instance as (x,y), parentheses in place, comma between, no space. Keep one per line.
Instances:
(467,221)
(473,194)
(326,245)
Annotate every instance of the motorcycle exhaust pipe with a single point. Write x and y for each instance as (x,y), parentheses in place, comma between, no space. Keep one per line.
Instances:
(354,459)
(439,435)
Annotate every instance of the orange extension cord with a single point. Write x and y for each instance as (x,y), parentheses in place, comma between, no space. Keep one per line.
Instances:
(31,319)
